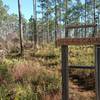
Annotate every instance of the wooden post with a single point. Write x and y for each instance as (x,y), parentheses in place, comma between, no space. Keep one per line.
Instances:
(98,72)
(65,73)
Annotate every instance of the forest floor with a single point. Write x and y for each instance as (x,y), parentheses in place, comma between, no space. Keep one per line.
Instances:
(44,65)
(76,92)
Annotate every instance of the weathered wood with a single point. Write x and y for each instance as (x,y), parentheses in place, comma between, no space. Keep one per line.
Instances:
(78,41)
(65,73)
(81,26)
(98,72)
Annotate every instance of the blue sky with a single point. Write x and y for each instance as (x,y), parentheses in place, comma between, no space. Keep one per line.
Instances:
(27,7)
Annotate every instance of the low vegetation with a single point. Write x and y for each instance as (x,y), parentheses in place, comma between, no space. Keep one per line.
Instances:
(39,76)
(21,79)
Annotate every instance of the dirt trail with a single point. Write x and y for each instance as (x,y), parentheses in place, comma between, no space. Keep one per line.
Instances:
(77,93)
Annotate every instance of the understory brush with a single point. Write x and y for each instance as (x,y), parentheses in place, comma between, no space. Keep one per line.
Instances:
(40,75)
(28,80)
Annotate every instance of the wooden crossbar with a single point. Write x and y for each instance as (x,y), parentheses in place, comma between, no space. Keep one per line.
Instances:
(81,26)
(82,67)
(78,41)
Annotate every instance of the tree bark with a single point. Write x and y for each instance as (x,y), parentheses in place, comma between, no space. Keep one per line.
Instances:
(66,18)
(55,20)
(20,27)
(35,18)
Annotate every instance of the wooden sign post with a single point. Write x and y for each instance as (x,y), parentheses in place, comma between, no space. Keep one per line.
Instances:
(65,72)
(97,72)
(65,68)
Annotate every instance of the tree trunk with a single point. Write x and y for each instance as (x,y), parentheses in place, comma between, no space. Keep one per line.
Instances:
(42,25)
(20,27)
(34,18)
(48,32)
(59,2)
(66,18)
(56,20)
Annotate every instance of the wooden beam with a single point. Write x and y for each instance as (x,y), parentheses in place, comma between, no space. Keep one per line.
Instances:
(81,26)
(78,41)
